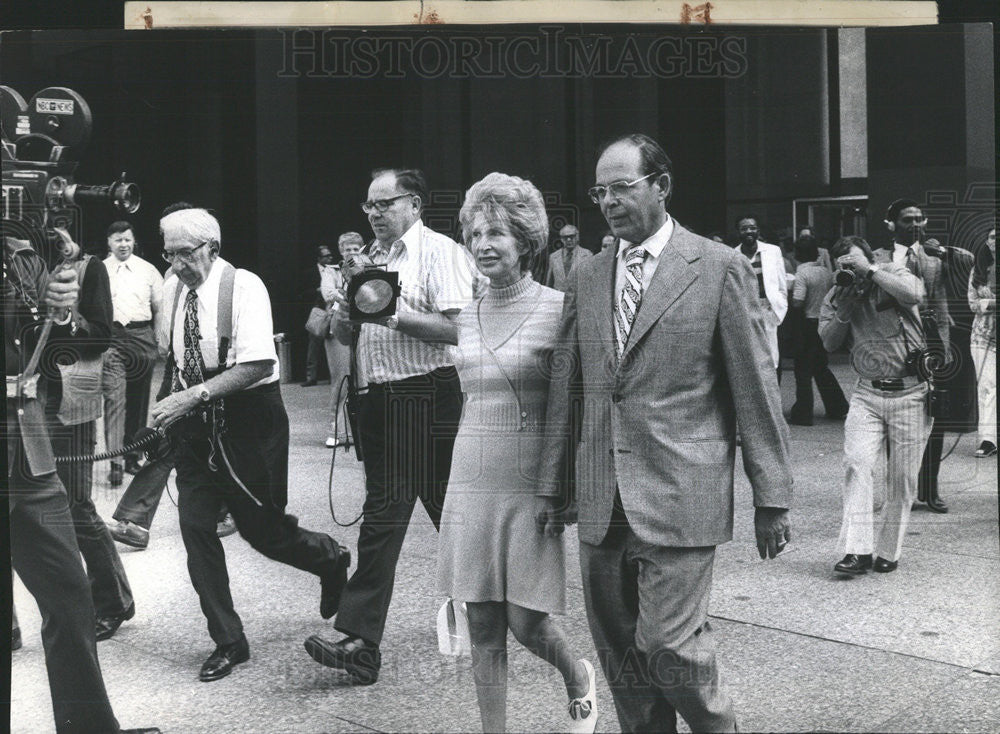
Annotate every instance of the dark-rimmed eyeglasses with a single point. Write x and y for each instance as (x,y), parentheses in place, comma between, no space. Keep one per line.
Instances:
(618,189)
(380,205)
(182,255)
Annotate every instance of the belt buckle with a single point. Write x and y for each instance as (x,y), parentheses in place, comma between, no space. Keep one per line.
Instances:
(18,386)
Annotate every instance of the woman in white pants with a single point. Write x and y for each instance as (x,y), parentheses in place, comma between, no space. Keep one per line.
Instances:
(983,342)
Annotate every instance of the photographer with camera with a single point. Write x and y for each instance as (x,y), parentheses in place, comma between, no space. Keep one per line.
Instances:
(873,307)
(409,413)
(43,544)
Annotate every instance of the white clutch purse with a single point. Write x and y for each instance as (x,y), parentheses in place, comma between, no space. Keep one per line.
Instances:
(453,629)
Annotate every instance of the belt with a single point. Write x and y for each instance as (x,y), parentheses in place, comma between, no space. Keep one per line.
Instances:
(895,384)
(18,387)
(408,383)
(138,324)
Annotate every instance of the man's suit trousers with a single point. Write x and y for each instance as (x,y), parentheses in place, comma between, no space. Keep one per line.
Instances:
(407,430)
(108,581)
(647,606)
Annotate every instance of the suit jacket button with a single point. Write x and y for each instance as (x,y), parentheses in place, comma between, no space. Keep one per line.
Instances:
(616,397)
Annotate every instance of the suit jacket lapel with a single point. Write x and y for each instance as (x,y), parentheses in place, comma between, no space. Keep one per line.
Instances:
(671,278)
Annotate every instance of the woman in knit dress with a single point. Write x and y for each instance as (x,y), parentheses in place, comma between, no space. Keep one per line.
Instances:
(493,556)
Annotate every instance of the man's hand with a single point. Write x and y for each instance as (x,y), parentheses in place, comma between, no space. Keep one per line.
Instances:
(173,407)
(550,521)
(773,529)
(62,292)
(858,263)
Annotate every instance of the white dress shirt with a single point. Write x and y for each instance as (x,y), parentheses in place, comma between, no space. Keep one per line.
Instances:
(899,252)
(253,331)
(653,245)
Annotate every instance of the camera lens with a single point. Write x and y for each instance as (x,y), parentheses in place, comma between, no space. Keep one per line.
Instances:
(845,278)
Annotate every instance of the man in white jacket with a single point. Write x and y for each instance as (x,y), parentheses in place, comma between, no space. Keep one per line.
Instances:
(769,266)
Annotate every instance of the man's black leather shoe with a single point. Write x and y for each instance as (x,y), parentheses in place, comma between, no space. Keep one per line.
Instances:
(332,583)
(883,566)
(358,657)
(105,627)
(854,564)
(220,663)
(116,476)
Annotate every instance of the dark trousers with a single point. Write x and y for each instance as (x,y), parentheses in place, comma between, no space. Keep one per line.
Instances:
(407,431)
(812,363)
(142,497)
(44,552)
(108,582)
(647,606)
(251,478)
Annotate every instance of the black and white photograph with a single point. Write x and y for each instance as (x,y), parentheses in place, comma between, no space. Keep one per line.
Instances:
(575,377)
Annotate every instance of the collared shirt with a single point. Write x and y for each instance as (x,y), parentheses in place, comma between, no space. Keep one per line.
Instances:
(758,270)
(136,289)
(812,283)
(880,336)
(435,275)
(899,252)
(653,245)
(253,332)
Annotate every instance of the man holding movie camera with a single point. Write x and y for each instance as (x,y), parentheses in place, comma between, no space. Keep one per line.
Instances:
(409,412)
(874,308)
(43,544)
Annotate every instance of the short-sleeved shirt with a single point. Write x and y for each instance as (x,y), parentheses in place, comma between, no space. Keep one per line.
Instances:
(253,331)
(812,283)
(435,275)
(136,289)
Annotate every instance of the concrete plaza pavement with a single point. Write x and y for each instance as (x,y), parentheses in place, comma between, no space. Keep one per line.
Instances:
(800,648)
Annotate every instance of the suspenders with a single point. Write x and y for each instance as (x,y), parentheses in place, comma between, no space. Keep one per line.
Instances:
(224,324)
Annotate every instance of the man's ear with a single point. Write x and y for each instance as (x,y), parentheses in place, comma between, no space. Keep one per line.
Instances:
(666,185)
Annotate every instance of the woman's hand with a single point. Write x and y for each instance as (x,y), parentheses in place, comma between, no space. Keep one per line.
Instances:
(550,520)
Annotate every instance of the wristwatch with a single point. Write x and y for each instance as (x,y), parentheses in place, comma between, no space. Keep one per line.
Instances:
(392,322)
(203,393)
(874,268)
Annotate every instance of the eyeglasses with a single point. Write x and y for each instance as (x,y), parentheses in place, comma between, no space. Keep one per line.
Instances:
(185,256)
(381,205)
(618,189)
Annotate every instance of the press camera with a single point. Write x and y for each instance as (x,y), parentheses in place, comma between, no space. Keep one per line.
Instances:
(42,141)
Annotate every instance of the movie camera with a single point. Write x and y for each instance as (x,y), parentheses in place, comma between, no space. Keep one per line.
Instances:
(42,141)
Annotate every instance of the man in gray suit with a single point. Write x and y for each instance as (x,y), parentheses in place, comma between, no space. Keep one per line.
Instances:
(564,260)
(669,347)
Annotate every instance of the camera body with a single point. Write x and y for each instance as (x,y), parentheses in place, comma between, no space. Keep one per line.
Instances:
(42,141)
(845,277)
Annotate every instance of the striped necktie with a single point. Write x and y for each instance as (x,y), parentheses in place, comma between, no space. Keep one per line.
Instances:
(628,304)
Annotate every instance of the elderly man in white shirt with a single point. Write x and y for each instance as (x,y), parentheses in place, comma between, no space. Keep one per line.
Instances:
(229,431)
(137,296)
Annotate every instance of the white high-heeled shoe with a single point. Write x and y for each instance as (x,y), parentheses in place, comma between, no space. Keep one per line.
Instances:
(583,711)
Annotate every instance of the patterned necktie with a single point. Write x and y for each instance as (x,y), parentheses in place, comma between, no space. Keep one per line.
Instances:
(911,261)
(628,304)
(194,363)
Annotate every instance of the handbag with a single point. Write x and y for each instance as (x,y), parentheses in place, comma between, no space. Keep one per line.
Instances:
(318,323)
(453,629)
